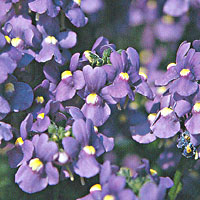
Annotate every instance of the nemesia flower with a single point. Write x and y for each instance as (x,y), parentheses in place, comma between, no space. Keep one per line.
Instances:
(96,107)
(22,37)
(5,132)
(74,13)
(110,187)
(14,96)
(157,186)
(166,123)
(142,132)
(85,145)
(71,80)
(106,143)
(184,73)
(53,40)
(167,25)
(126,68)
(95,6)
(39,171)
(42,118)
(176,7)
(45,6)
(191,124)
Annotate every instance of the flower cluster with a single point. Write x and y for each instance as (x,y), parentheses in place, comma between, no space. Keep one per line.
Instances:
(103,76)
(177,109)
(63,111)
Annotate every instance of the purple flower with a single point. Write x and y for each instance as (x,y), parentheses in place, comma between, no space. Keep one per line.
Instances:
(110,187)
(5,132)
(191,123)
(38,172)
(74,13)
(71,80)
(7,66)
(14,96)
(23,38)
(167,25)
(157,186)
(166,124)
(41,7)
(126,67)
(142,132)
(20,153)
(184,74)
(125,75)
(176,8)
(91,6)
(54,40)
(42,119)
(96,107)
(106,143)
(85,145)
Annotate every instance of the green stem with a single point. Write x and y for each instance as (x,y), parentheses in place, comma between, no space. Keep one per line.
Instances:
(119,106)
(82,181)
(173,192)
(62,21)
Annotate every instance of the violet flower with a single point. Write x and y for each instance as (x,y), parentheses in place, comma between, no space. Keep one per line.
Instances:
(96,107)
(166,124)
(39,171)
(54,40)
(71,80)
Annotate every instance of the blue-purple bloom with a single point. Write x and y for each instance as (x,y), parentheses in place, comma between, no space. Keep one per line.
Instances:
(34,175)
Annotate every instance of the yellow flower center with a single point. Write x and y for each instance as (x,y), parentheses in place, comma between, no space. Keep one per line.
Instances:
(96,129)
(144,70)
(50,40)
(9,87)
(151,117)
(171,65)
(146,56)
(16,41)
(196,107)
(35,164)
(184,72)
(89,150)
(78,2)
(40,99)
(133,105)
(109,197)
(8,40)
(122,118)
(96,187)
(66,74)
(166,111)
(167,19)
(124,76)
(40,116)
(19,141)
(153,172)
(92,98)
(161,90)
(143,75)
(188,149)
(151,4)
